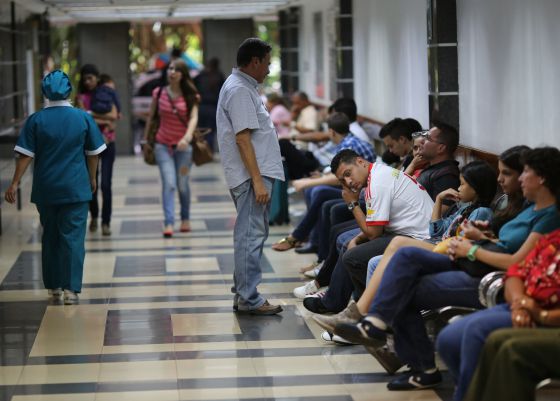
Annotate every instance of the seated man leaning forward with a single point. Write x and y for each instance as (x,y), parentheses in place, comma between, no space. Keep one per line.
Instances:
(395,205)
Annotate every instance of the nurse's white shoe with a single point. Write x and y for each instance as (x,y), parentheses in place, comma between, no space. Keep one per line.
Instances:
(56,294)
(70,297)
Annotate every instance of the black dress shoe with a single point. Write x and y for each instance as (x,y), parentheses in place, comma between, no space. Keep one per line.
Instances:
(307,248)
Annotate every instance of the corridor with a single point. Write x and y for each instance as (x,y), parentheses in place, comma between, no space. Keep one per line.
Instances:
(155,317)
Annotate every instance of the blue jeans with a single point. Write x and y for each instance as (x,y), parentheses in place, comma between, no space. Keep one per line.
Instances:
(315,197)
(62,244)
(461,343)
(174,168)
(107,159)
(371,266)
(249,235)
(414,280)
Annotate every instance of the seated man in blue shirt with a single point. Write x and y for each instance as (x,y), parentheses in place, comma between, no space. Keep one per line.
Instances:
(326,187)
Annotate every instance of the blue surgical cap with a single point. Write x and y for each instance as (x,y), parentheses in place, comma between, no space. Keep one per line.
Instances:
(56,86)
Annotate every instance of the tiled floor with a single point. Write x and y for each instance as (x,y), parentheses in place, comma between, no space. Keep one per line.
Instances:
(155,320)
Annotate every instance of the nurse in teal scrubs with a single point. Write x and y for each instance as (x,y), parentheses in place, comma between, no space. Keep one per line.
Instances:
(65,143)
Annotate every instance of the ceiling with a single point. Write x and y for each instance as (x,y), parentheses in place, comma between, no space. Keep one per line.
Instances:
(150,10)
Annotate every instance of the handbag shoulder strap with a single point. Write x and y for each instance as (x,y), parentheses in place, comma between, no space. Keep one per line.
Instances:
(175,110)
(156,111)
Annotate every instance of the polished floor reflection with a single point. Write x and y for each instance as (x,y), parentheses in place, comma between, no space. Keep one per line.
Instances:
(155,318)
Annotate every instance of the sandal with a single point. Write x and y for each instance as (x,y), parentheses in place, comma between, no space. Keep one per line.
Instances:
(309,267)
(185,227)
(286,244)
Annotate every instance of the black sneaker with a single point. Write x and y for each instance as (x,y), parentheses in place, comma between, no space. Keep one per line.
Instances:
(314,304)
(414,380)
(364,332)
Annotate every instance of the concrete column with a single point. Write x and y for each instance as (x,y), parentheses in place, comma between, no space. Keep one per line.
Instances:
(223,37)
(106,45)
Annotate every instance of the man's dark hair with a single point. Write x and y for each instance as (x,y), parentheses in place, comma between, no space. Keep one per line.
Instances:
(389,157)
(347,106)
(399,127)
(339,123)
(252,47)
(176,52)
(413,125)
(346,156)
(448,135)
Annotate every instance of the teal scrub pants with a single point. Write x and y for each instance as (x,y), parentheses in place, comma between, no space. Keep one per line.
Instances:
(63,250)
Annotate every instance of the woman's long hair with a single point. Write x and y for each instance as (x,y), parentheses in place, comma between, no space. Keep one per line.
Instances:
(482,178)
(87,69)
(512,158)
(545,162)
(188,89)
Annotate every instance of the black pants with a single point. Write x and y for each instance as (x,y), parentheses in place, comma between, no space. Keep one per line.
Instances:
(356,260)
(299,163)
(349,275)
(107,159)
(324,276)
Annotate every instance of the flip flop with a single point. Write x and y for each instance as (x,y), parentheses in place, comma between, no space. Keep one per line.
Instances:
(285,244)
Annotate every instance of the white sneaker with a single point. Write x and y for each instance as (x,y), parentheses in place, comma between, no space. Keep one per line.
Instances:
(70,297)
(55,294)
(313,273)
(306,290)
(333,338)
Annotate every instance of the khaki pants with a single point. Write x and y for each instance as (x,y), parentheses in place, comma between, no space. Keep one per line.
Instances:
(513,362)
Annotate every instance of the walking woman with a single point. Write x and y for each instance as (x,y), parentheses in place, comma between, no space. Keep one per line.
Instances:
(177,107)
(65,143)
(102,103)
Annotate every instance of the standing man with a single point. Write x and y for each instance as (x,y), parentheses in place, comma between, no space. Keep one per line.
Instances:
(251,160)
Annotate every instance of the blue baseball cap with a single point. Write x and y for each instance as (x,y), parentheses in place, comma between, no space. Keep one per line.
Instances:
(56,85)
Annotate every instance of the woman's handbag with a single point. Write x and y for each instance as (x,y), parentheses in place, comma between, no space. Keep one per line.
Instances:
(476,268)
(149,152)
(201,151)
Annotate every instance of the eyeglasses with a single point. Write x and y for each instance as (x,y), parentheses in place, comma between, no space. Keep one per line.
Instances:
(426,135)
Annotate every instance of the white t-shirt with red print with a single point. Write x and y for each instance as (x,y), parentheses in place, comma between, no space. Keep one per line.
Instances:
(398,202)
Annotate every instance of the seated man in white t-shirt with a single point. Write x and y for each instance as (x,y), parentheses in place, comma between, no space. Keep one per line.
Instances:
(395,205)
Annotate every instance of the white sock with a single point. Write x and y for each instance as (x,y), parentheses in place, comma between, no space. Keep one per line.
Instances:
(430,371)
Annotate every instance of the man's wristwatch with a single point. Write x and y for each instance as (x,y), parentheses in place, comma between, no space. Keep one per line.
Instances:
(352,205)
(471,254)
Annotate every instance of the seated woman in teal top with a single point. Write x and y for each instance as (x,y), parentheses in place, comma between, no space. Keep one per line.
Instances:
(65,143)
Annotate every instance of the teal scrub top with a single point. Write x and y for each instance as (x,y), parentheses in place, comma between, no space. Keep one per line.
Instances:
(514,233)
(59,138)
